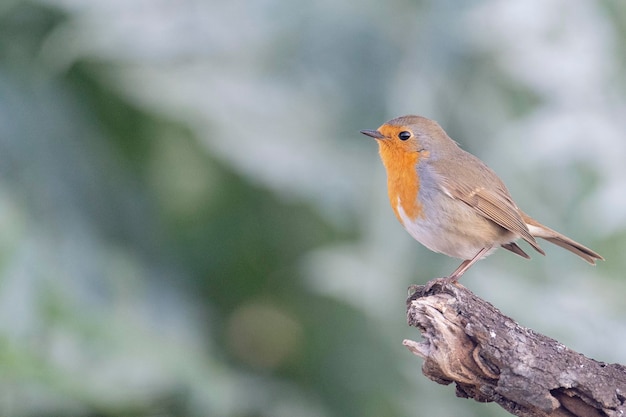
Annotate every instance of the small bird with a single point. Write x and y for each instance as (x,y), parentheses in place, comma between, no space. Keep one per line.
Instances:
(450,201)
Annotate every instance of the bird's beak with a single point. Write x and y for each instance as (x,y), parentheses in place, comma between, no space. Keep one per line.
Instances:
(373,134)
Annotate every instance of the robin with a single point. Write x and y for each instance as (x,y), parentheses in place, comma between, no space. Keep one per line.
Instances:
(450,201)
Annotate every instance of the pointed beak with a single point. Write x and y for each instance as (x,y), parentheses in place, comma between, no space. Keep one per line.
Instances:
(373,134)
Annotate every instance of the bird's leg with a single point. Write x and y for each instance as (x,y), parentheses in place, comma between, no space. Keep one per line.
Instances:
(465,265)
(454,277)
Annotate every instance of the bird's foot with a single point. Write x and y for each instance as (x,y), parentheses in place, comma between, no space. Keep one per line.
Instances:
(441,282)
(416,291)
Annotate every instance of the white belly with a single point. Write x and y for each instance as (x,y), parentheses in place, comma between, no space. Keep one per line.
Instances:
(461,234)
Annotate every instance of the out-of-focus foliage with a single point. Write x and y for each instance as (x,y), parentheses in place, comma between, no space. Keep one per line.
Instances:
(192,225)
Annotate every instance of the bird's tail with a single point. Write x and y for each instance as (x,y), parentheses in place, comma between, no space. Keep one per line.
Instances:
(539,230)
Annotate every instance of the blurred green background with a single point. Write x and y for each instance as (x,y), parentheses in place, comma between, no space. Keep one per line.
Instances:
(191,224)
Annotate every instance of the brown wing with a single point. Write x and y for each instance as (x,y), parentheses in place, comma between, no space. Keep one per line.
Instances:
(480,188)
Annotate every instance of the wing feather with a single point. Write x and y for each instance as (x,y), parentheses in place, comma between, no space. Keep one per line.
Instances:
(493,202)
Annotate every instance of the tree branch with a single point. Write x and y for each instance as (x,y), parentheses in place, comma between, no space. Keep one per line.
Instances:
(490,357)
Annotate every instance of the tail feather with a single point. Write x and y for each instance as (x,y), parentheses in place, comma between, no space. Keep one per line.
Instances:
(576,248)
(538,230)
(512,246)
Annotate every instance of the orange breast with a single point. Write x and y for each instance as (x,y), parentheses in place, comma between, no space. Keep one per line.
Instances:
(402,181)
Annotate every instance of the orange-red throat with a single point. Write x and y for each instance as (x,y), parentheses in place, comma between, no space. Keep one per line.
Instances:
(400,159)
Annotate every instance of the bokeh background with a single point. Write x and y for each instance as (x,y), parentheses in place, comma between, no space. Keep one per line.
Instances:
(191,224)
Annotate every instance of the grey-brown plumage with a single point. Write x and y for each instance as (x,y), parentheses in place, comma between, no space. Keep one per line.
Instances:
(450,201)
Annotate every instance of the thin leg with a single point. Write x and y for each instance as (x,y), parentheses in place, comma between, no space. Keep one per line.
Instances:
(465,265)
(459,271)
(454,277)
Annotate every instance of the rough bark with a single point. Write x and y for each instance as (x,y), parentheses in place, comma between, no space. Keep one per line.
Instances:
(490,357)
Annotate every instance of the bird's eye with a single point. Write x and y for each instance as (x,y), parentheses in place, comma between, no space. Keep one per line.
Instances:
(404,135)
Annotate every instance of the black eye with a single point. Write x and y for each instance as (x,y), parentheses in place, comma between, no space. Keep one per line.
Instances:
(404,135)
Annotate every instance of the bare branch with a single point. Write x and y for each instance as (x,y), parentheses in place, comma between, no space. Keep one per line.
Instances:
(490,357)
